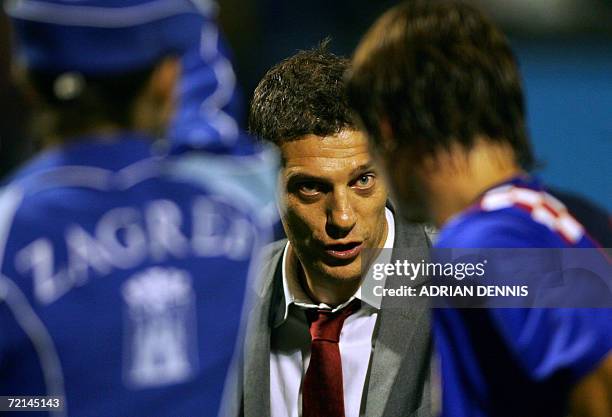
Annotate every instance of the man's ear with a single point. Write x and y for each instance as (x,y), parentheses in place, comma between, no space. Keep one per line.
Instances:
(281,197)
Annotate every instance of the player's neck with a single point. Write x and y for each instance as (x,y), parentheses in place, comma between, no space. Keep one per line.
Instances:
(102,131)
(462,177)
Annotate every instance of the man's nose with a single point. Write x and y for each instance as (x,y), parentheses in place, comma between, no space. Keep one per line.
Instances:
(340,215)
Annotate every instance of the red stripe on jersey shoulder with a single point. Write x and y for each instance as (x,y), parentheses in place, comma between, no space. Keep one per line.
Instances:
(543,208)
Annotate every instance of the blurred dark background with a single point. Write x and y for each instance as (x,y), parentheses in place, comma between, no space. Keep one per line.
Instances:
(564,49)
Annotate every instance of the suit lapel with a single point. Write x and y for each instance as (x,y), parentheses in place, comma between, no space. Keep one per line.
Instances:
(399,369)
(256,394)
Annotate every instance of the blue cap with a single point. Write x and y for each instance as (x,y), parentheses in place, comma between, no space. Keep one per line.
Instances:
(97,37)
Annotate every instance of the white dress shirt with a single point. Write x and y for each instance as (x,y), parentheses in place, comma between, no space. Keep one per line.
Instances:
(290,344)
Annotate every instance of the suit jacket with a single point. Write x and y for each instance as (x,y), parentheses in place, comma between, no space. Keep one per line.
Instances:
(398,380)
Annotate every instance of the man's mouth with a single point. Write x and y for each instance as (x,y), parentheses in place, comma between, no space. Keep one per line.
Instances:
(345,250)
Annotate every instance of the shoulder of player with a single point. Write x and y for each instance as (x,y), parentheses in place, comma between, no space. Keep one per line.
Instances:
(248,179)
(508,227)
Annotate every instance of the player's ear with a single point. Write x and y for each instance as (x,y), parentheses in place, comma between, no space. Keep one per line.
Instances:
(387,139)
(164,80)
(165,77)
(157,100)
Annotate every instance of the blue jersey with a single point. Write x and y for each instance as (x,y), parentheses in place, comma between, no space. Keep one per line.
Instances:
(516,362)
(121,284)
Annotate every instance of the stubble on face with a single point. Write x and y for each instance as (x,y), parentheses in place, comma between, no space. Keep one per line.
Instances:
(332,202)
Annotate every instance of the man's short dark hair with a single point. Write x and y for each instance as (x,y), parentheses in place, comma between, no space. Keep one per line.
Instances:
(304,94)
(439,72)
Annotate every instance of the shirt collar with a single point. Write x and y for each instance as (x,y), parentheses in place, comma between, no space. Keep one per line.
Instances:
(295,294)
(520,180)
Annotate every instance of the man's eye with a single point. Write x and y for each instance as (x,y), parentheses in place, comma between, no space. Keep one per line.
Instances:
(365,181)
(309,188)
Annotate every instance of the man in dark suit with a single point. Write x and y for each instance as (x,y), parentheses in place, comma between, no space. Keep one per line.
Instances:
(318,343)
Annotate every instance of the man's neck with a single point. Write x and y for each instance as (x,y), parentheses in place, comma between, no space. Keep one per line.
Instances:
(456,183)
(327,290)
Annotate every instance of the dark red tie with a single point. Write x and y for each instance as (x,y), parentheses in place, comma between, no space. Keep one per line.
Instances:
(322,392)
